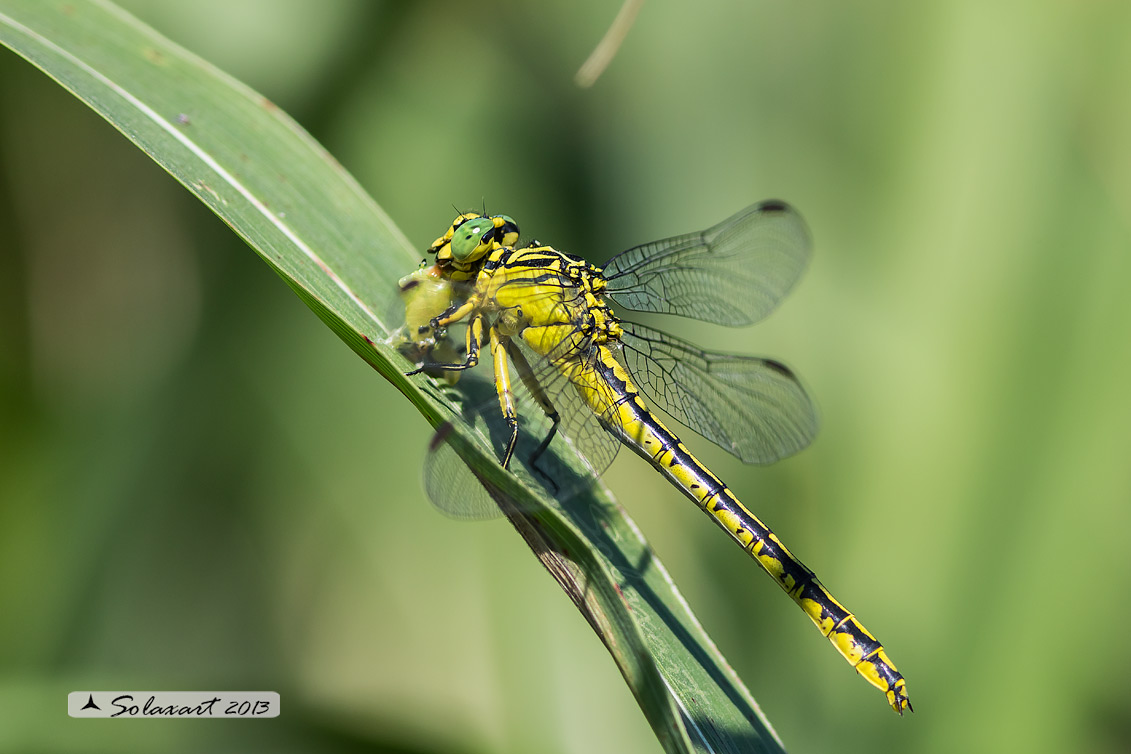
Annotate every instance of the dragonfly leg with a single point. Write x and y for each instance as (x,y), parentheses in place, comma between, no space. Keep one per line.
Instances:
(455,313)
(544,402)
(471,359)
(503,389)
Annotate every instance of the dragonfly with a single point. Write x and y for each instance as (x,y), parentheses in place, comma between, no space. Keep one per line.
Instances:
(546,316)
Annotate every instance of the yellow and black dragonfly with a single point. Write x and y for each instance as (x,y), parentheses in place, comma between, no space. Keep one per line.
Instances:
(544,315)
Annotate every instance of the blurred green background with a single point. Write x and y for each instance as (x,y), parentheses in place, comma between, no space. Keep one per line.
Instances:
(202,488)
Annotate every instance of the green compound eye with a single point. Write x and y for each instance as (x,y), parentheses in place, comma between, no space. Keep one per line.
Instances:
(467,243)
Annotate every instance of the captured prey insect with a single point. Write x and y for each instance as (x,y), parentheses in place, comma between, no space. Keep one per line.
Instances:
(548,313)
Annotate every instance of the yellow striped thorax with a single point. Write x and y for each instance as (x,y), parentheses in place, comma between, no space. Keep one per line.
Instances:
(548,298)
(469,240)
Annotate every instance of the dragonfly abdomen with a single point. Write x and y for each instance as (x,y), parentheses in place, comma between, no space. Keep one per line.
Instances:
(638,428)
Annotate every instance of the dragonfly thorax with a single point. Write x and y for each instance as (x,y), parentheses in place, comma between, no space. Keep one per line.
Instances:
(553,301)
(601,325)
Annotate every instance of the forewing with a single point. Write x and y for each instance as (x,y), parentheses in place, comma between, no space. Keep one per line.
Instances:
(752,407)
(732,274)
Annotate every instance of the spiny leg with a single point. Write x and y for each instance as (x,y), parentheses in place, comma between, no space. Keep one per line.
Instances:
(471,359)
(455,313)
(503,389)
(544,402)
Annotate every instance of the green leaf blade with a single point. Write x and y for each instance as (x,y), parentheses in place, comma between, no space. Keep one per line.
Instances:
(232,148)
(312,223)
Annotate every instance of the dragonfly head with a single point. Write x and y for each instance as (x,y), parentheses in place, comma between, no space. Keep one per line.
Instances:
(472,237)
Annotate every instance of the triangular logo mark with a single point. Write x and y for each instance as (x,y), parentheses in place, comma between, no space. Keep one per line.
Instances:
(91,705)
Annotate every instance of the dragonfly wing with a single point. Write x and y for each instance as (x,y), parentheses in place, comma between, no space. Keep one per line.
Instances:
(451,486)
(752,407)
(732,274)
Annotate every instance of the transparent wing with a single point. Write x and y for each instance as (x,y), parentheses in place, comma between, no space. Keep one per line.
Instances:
(732,274)
(751,407)
(451,486)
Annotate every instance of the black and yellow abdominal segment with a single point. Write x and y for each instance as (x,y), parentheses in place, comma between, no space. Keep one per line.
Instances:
(547,313)
(638,428)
